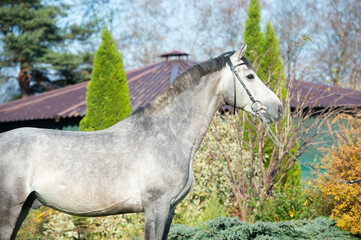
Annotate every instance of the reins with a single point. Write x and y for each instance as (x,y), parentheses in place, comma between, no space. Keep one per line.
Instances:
(256,105)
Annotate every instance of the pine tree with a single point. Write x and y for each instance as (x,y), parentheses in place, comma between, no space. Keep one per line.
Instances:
(32,40)
(107,97)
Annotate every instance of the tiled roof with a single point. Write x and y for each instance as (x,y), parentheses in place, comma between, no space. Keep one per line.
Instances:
(145,84)
(320,96)
(64,102)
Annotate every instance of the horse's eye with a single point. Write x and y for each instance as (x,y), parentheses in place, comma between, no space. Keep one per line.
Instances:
(250,76)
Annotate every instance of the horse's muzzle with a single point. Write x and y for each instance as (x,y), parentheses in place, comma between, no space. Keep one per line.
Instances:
(272,113)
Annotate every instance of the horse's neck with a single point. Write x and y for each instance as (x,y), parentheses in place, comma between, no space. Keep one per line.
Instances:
(190,113)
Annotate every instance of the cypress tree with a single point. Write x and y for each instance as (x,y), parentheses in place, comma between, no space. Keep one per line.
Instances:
(107,96)
(253,35)
(275,75)
(274,70)
(264,52)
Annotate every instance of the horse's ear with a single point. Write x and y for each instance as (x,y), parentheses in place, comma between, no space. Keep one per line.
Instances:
(242,51)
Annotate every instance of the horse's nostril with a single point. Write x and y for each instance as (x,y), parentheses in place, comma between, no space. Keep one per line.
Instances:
(280,109)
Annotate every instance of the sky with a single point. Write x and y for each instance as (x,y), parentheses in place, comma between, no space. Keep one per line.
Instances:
(179,30)
(181,20)
(181,35)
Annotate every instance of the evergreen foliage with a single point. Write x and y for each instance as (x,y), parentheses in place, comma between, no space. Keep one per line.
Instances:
(107,97)
(232,228)
(253,35)
(263,50)
(32,40)
(274,69)
(275,75)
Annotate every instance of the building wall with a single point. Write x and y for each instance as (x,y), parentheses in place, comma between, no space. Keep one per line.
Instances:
(315,153)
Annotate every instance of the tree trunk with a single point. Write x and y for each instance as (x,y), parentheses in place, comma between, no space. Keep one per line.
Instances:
(23,79)
(244,213)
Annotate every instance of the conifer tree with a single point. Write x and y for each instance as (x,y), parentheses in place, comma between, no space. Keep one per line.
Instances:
(253,35)
(32,40)
(107,96)
(275,76)
(272,60)
(264,52)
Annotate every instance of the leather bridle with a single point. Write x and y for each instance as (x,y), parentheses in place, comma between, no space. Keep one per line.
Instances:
(257,106)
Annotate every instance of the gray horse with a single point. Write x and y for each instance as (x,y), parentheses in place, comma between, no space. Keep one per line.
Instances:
(143,163)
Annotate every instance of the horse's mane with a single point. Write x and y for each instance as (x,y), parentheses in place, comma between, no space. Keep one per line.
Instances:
(185,81)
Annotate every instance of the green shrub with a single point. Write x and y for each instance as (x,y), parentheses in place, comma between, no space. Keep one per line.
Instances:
(289,203)
(232,228)
(264,52)
(107,92)
(189,213)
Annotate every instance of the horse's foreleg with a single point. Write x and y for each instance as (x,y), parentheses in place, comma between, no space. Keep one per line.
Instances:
(156,215)
(24,212)
(12,214)
(8,218)
(168,223)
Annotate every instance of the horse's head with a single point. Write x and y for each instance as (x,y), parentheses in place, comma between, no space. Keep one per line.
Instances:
(267,103)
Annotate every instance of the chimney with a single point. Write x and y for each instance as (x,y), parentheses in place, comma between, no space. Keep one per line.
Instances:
(174,53)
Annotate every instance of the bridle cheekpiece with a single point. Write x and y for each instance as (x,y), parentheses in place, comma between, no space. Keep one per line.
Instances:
(256,105)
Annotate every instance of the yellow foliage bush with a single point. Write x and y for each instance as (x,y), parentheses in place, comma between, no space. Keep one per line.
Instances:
(343,161)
